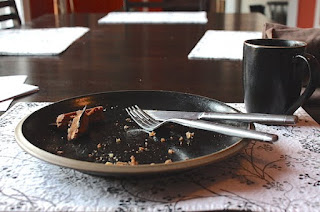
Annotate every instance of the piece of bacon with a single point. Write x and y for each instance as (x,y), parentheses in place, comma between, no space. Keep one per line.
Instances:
(94,114)
(77,122)
(79,125)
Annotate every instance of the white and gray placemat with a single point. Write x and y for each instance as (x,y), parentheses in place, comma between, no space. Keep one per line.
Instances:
(155,18)
(222,44)
(46,41)
(284,176)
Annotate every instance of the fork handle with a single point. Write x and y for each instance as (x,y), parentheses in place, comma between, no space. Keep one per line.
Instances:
(226,129)
(252,117)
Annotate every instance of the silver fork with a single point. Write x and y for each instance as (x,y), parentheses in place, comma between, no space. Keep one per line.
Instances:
(148,123)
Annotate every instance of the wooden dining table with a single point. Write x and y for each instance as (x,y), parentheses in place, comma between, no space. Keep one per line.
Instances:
(126,57)
(135,57)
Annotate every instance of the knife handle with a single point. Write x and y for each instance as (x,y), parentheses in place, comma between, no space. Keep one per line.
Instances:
(226,129)
(252,117)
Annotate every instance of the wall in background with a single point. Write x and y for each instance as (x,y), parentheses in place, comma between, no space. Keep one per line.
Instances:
(301,13)
(316,21)
(306,13)
(97,6)
(41,7)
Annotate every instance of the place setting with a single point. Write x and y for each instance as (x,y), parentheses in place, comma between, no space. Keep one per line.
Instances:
(203,158)
(115,147)
(193,113)
(118,144)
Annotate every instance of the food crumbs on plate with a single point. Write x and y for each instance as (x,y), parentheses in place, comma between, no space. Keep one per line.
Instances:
(163,140)
(151,134)
(133,161)
(189,135)
(141,149)
(168,161)
(128,120)
(118,140)
(170,151)
(125,127)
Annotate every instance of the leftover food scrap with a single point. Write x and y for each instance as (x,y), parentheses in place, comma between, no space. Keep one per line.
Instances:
(77,122)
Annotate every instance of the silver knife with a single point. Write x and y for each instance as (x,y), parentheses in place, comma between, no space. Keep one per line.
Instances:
(243,117)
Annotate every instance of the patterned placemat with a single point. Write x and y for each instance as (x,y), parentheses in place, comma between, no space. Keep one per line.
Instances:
(284,176)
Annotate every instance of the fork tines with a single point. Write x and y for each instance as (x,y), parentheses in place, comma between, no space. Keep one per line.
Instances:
(141,118)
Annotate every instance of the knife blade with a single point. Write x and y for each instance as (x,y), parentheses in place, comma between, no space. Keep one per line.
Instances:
(271,119)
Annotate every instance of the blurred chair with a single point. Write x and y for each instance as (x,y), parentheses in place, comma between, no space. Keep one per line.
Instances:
(61,6)
(167,5)
(278,11)
(257,8)
(9,12)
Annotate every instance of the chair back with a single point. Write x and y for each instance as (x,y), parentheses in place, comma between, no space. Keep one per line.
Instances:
(61,6)
(257,8)
(167,5)
(278,11)
(9,11)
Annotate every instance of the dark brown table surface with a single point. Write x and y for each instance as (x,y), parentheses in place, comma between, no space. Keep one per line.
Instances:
(135,57)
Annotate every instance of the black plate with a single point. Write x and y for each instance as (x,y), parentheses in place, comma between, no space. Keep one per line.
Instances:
(90,152)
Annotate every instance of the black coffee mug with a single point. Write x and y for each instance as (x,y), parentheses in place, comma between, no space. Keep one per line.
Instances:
(273,72)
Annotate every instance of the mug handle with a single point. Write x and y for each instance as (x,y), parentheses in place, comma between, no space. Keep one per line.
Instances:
(314,74)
